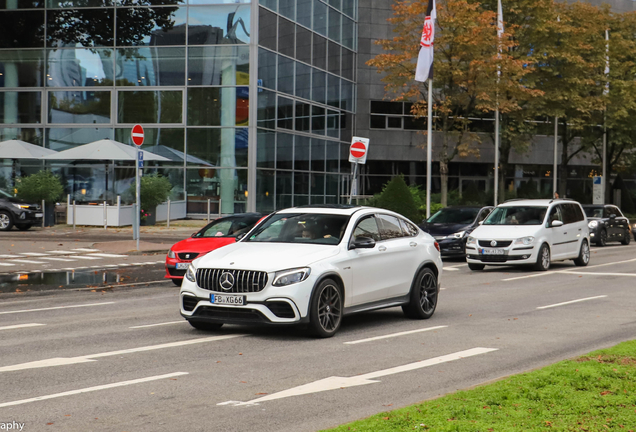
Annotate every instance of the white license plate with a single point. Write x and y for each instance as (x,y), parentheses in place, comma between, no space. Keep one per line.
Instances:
(227,299)
(486,251)
(38,215)
(182,266)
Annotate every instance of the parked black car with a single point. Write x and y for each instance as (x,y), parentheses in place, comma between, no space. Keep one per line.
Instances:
(17,212)
(607,224)
(451,226)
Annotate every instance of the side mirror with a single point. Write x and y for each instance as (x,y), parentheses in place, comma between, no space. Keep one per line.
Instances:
(556,223)
(362,243)
(194,234)
(240,236)
(612,216)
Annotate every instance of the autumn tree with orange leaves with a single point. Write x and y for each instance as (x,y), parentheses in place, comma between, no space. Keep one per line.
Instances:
(465,66)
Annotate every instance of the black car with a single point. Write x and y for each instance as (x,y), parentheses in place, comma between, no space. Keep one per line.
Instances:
(607,224)
(17,212)
(451,226)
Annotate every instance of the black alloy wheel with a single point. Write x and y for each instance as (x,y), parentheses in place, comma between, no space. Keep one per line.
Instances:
(626,238)
(602,238)
(476,267)
(203,325)
(6,222)
(584,255)
(423,296)
(543,258)
(326,309)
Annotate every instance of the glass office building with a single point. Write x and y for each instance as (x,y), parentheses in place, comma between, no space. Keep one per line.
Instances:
(252,102)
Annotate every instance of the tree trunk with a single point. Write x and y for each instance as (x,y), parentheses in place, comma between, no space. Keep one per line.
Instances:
(563,167)
(443,174)
(503,166)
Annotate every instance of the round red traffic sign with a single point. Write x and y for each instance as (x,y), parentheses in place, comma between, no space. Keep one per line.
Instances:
(137,135)
(358,149)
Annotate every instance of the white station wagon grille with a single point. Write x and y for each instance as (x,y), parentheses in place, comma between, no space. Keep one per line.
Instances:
(231,281)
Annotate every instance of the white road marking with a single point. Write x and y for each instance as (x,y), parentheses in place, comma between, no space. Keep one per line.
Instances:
(65,252)
(6,264)
(64,361)
(335,382)
(155,325)
(86,250)
(10,256)
(394,335)
(19,326)
(105,255)
(455,266)
(58,259)
(450,269)
(568,271)
(91,389)
(110,265)
(27,261)
(531,276)
(56,307)
(601,274)
(570,302)
(33,254)
(84,257)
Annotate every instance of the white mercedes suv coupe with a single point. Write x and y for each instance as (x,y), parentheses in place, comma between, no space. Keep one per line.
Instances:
(313,265)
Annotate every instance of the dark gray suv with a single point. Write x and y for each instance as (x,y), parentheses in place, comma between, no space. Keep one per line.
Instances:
(17,212)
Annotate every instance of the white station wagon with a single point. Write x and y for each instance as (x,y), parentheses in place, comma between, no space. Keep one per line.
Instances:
(535,232)
(314,265)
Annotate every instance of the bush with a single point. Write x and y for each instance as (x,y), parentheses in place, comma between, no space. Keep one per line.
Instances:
(40,186)
(154,190)
(397,197)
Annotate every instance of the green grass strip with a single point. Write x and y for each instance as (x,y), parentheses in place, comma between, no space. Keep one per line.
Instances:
(596,392)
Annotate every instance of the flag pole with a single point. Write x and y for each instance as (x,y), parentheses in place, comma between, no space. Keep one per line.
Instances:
(497,155)
(605,92)
(429,150)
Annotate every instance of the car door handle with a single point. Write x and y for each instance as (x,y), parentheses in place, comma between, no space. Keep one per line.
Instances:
(565,233)
(382,248)
(413,244)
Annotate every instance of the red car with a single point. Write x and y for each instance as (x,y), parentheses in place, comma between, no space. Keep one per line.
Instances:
(219,233)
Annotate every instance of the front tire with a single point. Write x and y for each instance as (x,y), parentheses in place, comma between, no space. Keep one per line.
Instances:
(177,282)
(326,309)
(423,299)
(602,238)
(584,255)
(206,326)
(626,238)
(543,258)
(6,221)
(476,267)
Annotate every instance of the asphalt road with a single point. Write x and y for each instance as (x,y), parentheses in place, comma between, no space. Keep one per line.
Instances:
(124,360)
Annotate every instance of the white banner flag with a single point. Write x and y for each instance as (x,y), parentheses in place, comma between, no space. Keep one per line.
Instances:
(424,70)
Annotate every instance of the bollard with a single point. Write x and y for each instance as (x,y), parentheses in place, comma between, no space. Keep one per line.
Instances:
(208,210)
(105,216)
(68,207)
(219,207)
(74,213)
(43,215)
(168,219)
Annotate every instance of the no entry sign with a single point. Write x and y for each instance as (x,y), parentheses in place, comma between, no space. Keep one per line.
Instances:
(359,150)
(137,135)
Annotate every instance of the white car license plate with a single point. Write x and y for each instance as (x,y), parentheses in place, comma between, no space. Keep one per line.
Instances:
(227,299)
(182,266)
(487,251)
(38,215)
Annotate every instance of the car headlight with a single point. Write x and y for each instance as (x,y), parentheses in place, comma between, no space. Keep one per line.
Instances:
(471,240)
(20,206)
(191,273)
(524,241)
(458,235)
(592,224)
(171,254)
(292,276)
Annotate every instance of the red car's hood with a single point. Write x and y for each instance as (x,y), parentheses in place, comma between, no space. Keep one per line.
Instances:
(202,245)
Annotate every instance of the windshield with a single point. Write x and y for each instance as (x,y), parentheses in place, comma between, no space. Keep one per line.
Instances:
(463,216)
(593,212)
(227,227)
(301,228)
(516,215)
(5,194)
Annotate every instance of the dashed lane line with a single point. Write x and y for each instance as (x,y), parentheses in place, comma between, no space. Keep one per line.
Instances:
(156,325)
(56,308)
(394,335)
(19,326)
(570,302)
(567,271)
(92,389)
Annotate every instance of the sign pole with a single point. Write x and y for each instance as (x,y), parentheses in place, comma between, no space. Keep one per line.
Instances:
(138,199)
(357,155)
(354,182)
(137,135)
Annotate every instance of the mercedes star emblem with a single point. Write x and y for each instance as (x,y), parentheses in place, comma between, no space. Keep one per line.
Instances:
(226,281)
(493,243)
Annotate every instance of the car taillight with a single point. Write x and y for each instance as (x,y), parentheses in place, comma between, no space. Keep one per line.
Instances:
(437,246)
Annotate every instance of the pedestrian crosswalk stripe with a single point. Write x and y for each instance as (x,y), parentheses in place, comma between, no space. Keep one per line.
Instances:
(62,252)
(27,262)
(84,257)
(57,259)
(105,255)
(87,250)
(33,254)
(6,264)
(11,256)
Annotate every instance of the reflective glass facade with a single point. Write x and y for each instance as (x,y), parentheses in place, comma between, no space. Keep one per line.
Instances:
(76,71)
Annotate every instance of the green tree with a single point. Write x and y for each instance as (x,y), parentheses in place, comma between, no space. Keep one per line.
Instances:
(397,197)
